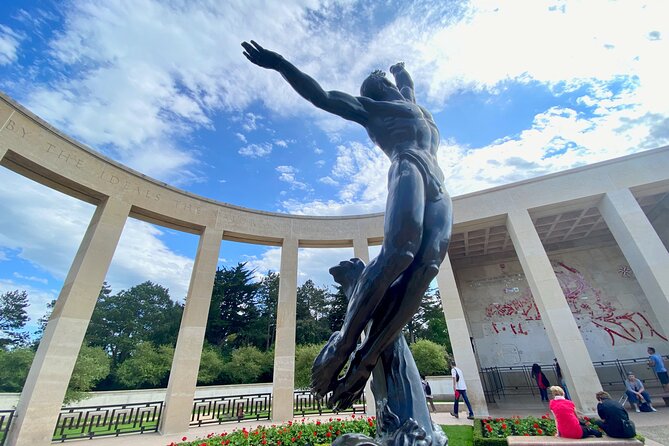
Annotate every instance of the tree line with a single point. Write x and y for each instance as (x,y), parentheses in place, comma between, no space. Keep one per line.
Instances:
(131,337)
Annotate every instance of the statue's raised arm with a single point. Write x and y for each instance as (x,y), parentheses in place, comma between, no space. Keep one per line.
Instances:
(403,81)
(335,102)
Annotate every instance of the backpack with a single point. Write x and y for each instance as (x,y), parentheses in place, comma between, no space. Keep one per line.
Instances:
(457,376)
(428,390)
(645,407)
(629,430)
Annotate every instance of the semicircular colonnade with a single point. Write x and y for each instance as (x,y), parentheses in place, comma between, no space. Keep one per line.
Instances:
(32,148)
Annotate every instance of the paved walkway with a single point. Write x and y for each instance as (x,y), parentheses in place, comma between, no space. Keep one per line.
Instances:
(654,426)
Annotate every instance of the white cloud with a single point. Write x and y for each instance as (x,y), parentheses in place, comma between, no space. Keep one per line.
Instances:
(287,175)
(241,137)
(9,45)
(141,255)
(256,150)
(329,181)
(31,278)
(281,142)
(50,241)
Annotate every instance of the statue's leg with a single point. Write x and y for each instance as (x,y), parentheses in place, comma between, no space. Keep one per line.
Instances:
(400,302)
(402,239)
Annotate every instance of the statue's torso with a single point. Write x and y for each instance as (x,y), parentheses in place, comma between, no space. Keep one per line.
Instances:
(397,126)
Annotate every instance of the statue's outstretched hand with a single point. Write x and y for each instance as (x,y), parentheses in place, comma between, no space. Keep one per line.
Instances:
(260,56)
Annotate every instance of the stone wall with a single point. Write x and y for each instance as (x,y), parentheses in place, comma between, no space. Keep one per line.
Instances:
(610,308)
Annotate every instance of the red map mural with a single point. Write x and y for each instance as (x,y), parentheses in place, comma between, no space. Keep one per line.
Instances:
(586,305)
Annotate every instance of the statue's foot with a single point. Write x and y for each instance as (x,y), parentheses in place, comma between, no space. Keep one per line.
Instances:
(327,365)
(347,274)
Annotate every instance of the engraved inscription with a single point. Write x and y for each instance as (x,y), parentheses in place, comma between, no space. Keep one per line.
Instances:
(64,155)
(13,127)
(128,186)
(186,206)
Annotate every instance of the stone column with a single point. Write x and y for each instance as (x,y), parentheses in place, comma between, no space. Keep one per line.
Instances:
(458,331)
(642,248)
(561,328)
(284,350)
(186,362)
(44,390)
(361,251)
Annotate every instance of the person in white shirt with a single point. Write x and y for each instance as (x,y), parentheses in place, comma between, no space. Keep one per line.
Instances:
(460,388)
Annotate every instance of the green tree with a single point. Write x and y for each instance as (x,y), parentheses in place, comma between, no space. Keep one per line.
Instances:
(337,305)
(267,298)
(148,366)
(304,359)
(13,318)
(211,365)
(143,313)
(430,357)
(93,365)
(247,365)
(14,368)
(312,326)
(232,310)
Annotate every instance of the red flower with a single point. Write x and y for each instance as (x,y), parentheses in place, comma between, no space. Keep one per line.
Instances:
(293,439)
(540,432)
(517,421)
(184,439)
(544,417)
(318,423)
(203,444)
(503,425)
(526,434)
(535,425)
(264,442)
(315,434)
(353,416)
(338,432)
(328,434)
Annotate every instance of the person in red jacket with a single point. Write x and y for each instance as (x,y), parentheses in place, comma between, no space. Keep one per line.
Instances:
(542,381)
(567,423)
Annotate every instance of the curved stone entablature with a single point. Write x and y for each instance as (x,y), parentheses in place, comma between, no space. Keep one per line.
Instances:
(31,147)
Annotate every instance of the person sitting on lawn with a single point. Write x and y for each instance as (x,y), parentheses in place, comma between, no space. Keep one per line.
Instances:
(614,419)
(567,423)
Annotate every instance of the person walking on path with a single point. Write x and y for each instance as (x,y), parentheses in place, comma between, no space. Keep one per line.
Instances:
(657,364)
(428,392)
(460,388)
(560,377)
(637,393)
(567,423)
(542,381)
(614,419)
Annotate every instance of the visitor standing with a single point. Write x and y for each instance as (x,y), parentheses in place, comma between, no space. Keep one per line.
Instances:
(460,389)
(428,392)
(542,381)
(657,364)
(560,377)
(614,419)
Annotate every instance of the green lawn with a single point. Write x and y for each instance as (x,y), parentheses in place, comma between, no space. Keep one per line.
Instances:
(459,435)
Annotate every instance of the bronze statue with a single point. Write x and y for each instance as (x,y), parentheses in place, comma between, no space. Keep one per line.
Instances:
(417,229)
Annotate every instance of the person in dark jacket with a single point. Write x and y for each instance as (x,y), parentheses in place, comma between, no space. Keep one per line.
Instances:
(614,419)
(542,381)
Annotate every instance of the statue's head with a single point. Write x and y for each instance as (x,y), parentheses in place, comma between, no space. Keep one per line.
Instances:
(378,87)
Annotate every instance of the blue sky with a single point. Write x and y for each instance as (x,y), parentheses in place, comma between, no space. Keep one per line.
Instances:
(518,90)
